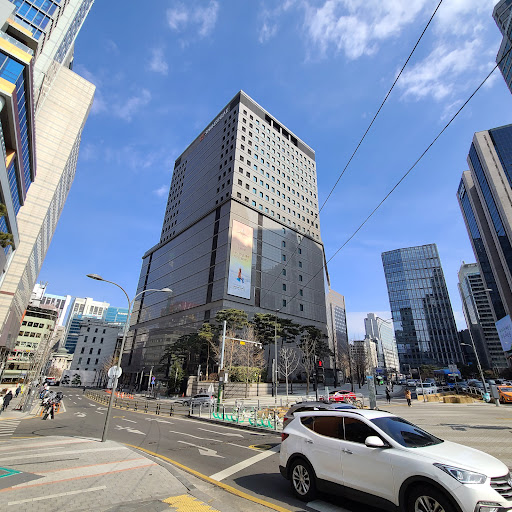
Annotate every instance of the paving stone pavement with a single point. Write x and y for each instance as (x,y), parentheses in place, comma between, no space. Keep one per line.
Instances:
(77,474)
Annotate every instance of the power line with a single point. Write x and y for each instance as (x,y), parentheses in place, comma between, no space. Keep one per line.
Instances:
(366,132)
(380,108)
(408,171)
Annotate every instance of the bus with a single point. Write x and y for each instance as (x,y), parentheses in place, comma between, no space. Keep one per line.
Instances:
(447,377)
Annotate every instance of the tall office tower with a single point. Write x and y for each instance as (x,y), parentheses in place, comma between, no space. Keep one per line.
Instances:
(483,196)
(479,316)
(420,306)
(52,111)
(81,308)
(382,331)
(240,230)
(337,332)
(502,15)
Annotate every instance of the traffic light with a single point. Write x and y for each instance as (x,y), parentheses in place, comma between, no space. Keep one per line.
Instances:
(320,363)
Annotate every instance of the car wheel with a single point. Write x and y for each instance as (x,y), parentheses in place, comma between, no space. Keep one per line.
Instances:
(302,479)
(426,498)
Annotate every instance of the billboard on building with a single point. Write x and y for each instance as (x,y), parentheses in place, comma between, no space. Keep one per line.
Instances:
(240,261)
(504,328)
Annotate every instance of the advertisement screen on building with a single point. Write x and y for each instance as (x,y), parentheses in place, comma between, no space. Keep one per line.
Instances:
(504,328)
(240,261)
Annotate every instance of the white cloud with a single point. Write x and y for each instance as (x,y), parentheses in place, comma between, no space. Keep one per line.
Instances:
(356,28)
(270,19)
(131,106)
(437,75)
(181,17)
(158,64)
(161,191)
(463,17)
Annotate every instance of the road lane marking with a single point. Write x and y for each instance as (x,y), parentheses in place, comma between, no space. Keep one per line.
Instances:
(242,446)
(99,412)
(221,475)
(228,488)
(204,451)
(221,433)
(50,496)
(195,437)
(160,421)
(125,419)
(130,430)
(69,452)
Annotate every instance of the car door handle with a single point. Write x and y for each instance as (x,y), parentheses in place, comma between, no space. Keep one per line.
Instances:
(347,451)
(309,441)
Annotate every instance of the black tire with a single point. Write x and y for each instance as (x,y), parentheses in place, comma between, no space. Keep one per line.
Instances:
(423,498)
(303,480)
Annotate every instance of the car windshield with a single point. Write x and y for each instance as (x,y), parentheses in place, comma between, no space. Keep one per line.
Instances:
(341,391)
(506,389)
(405,433)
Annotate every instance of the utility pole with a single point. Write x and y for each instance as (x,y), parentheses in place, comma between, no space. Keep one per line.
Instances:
(221,368)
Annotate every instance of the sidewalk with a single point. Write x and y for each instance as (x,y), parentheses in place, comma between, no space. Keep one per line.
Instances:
(55,474)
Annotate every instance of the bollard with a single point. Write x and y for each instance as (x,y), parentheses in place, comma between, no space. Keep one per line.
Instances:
(135,405)
(275,421)
(171,410)
(146,407)
(157,409)
(200,407)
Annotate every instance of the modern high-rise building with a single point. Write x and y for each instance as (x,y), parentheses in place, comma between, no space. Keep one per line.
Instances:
(484,198)
(52,105)
(382,331)
(40,297)
(502,15)
(240,230)
(81,308)
(422,314)
(479,316)
(337,332)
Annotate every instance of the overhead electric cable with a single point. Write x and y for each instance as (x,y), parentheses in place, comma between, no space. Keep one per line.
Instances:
(408,171)
(367,129)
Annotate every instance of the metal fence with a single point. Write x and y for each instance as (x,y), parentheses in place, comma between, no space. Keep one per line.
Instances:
(134,404)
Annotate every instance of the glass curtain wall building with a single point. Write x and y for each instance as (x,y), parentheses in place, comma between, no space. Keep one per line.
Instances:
(59,101)
(502,15)
(337,332)
(484,199)
(479,316)
(240,230)
(382,331)
(422,314)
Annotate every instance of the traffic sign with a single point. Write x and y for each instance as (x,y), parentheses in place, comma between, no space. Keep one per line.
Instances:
(115,372)
(452,368)
(153,380)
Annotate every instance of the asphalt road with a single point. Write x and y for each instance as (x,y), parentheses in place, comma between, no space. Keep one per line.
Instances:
(246,460)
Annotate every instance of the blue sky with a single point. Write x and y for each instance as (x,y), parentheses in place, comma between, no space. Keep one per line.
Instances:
(321,68)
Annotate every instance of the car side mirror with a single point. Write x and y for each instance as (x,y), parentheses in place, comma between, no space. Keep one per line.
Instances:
(374,442)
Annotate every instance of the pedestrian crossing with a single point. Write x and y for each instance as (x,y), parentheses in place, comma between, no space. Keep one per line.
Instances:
(8,427)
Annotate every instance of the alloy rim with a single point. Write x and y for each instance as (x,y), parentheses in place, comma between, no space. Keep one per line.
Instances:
(301,480)
(427,504)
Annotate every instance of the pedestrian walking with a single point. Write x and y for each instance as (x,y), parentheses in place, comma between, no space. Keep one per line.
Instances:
(408,397)
(388,396)
(7,400)
(18,390)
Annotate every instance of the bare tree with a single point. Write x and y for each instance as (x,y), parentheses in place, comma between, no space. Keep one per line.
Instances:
(307,348)
(288,363)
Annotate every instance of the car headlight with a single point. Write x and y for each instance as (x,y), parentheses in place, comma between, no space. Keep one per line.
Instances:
(463,475)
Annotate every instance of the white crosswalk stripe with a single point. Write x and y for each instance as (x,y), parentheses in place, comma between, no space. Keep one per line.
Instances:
(7,427)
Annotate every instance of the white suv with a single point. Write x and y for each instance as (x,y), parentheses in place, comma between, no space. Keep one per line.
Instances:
(385,461)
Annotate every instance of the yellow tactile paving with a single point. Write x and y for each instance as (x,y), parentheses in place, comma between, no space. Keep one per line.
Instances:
(187,503)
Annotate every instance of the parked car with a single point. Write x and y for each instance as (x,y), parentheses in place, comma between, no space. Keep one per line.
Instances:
(201,398)
(505,394)
(428,388)
(383,460)
(313,406)
(411,383)
(341,395)
(430,379)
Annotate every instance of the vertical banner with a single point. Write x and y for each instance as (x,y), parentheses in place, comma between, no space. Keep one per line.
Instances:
(240,261)
(504,328)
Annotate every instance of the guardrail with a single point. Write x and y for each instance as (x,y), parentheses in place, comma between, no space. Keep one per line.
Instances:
(270,418)
(133,404)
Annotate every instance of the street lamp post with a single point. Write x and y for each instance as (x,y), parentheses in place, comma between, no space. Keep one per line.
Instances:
(121,348)
(465,297)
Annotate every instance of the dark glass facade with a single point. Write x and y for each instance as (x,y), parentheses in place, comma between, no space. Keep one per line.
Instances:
(422,314)
(503,17)
(480,251)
